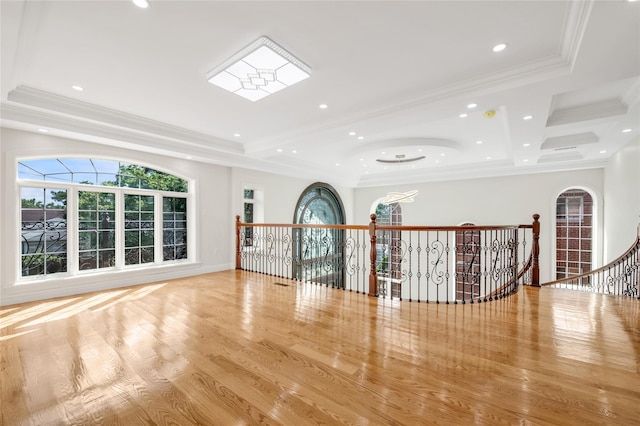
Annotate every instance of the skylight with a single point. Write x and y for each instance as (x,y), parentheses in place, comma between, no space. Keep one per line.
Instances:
(259,70)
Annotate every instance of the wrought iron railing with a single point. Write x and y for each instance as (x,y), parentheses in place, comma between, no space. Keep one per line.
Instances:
(620,277)
(453,264)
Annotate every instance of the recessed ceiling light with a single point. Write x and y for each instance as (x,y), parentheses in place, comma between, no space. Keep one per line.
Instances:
(78,88)
(488,158)
(442,154)
(526,144)
(188,157)
(419,149)
(527,117)
(603,152)
(43,130)
(499,47)
(437,161)
(279,150)
(360,137)
(294,152)
(472,105)
(525,160)
(626,130)
(337,164)
(383,153)
(362,159)
(479,142)
(364,165)
(323,106)
(352,133)
(463,115)
(143,4)
(251,73)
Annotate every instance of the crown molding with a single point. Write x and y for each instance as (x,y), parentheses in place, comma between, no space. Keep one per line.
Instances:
(632,95)
(28,119)
(593,111)
(64,105)
(489,170)
(529,73)
(575,24)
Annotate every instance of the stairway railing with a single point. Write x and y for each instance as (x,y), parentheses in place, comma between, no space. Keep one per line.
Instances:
(620,277)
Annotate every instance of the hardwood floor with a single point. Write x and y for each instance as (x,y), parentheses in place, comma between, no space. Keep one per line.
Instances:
(234,348)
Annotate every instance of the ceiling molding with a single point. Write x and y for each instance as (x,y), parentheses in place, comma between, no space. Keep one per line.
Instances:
(570,140)
(565,156)
(64,105)
(492,169)
(594,111)
(399,143)
(103,133)
(543,69)
(16,117)
(632,95)
(574,27)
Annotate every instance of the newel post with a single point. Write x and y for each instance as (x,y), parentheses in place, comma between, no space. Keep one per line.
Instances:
(535,250)
(373,276)
(238,262)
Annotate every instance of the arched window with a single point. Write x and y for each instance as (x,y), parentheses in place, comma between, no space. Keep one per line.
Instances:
(120,215)
(574,232)
(318,252)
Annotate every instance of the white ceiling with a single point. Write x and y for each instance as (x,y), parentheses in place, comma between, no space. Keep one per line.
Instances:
(398,74)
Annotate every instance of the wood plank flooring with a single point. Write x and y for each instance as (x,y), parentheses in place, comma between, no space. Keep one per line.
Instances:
(234,348)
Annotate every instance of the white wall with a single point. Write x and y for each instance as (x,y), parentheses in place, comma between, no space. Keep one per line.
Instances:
(492,201)
(281,194)
(211,212)
(622,194)
(219,197)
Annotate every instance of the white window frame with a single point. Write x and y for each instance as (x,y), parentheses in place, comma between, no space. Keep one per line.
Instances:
(72,229)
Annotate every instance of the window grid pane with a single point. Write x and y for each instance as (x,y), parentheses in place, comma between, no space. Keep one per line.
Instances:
(43,231)
(138,235)
(96,230)
(174,228)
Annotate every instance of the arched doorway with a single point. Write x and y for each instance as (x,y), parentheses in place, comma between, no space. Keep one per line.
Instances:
(574,232)
(318,252)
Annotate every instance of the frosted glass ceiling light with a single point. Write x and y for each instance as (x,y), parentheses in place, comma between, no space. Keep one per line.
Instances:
(259,70)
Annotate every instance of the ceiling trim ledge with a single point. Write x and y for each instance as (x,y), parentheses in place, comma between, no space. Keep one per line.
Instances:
(92,131)
(25,95)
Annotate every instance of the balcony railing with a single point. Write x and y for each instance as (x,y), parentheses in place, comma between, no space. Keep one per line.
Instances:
(620,277)
(443,264)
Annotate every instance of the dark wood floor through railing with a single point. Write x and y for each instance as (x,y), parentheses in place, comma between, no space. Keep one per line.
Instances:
(441,264)
(241,348)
